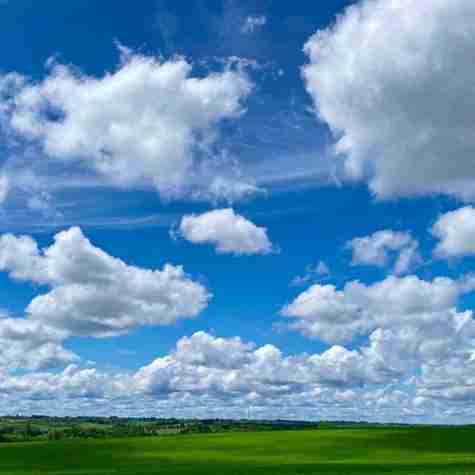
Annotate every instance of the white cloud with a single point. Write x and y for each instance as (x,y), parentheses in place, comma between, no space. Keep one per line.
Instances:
(149,121)
(253,23)
(311,272)
(227,375)
(229,232)
(95,294)
(321,269)
(339,315)
(73,382)
(31,345)
(207,375)
(204,349)
(229,368)
(4,188)
(415,334)
(456,232)
(378,249)
(383,78)
(325,313)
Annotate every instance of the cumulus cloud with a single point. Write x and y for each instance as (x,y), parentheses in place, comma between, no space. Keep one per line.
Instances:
(229,368)
(71,383)
(333,315)
(324,312)
(206,367)
(148,122)
(181,384)
(31,345)
(95,294)
(204,349)
(206,374)
(228,231)
(414,331)
(253,23)
(378,249)
(456,233)
(383,78)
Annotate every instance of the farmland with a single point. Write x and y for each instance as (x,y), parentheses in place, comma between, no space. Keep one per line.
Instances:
(337,451)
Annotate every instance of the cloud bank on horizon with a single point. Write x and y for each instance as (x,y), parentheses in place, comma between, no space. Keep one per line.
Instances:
(383,326)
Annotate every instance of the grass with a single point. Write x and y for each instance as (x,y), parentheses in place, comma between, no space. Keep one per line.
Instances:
(432,451)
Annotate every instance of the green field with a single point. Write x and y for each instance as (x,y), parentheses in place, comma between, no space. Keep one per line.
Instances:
(325,451)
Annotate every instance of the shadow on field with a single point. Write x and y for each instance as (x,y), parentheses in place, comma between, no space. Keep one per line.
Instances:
(411,451)
(209,468)
(441,440)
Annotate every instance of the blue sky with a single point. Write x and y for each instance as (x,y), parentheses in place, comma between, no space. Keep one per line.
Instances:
(249,143)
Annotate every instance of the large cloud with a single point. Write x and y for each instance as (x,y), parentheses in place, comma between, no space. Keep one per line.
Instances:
(393,80)
(339,315)
(456,232)
(379,249)
(228,231)
(230,368)
(207,375)
(95,294)
(206,367)
(415,332)
(150,121)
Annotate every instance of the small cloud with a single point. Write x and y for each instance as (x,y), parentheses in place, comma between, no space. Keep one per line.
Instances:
(4,188)
(229,232)
(253,23)
(385,248)
(311,273)
(322,269)
(455,231)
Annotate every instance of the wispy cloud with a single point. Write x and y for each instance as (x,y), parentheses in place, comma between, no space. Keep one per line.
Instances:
(320,272)
(21,221)
(253,23)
